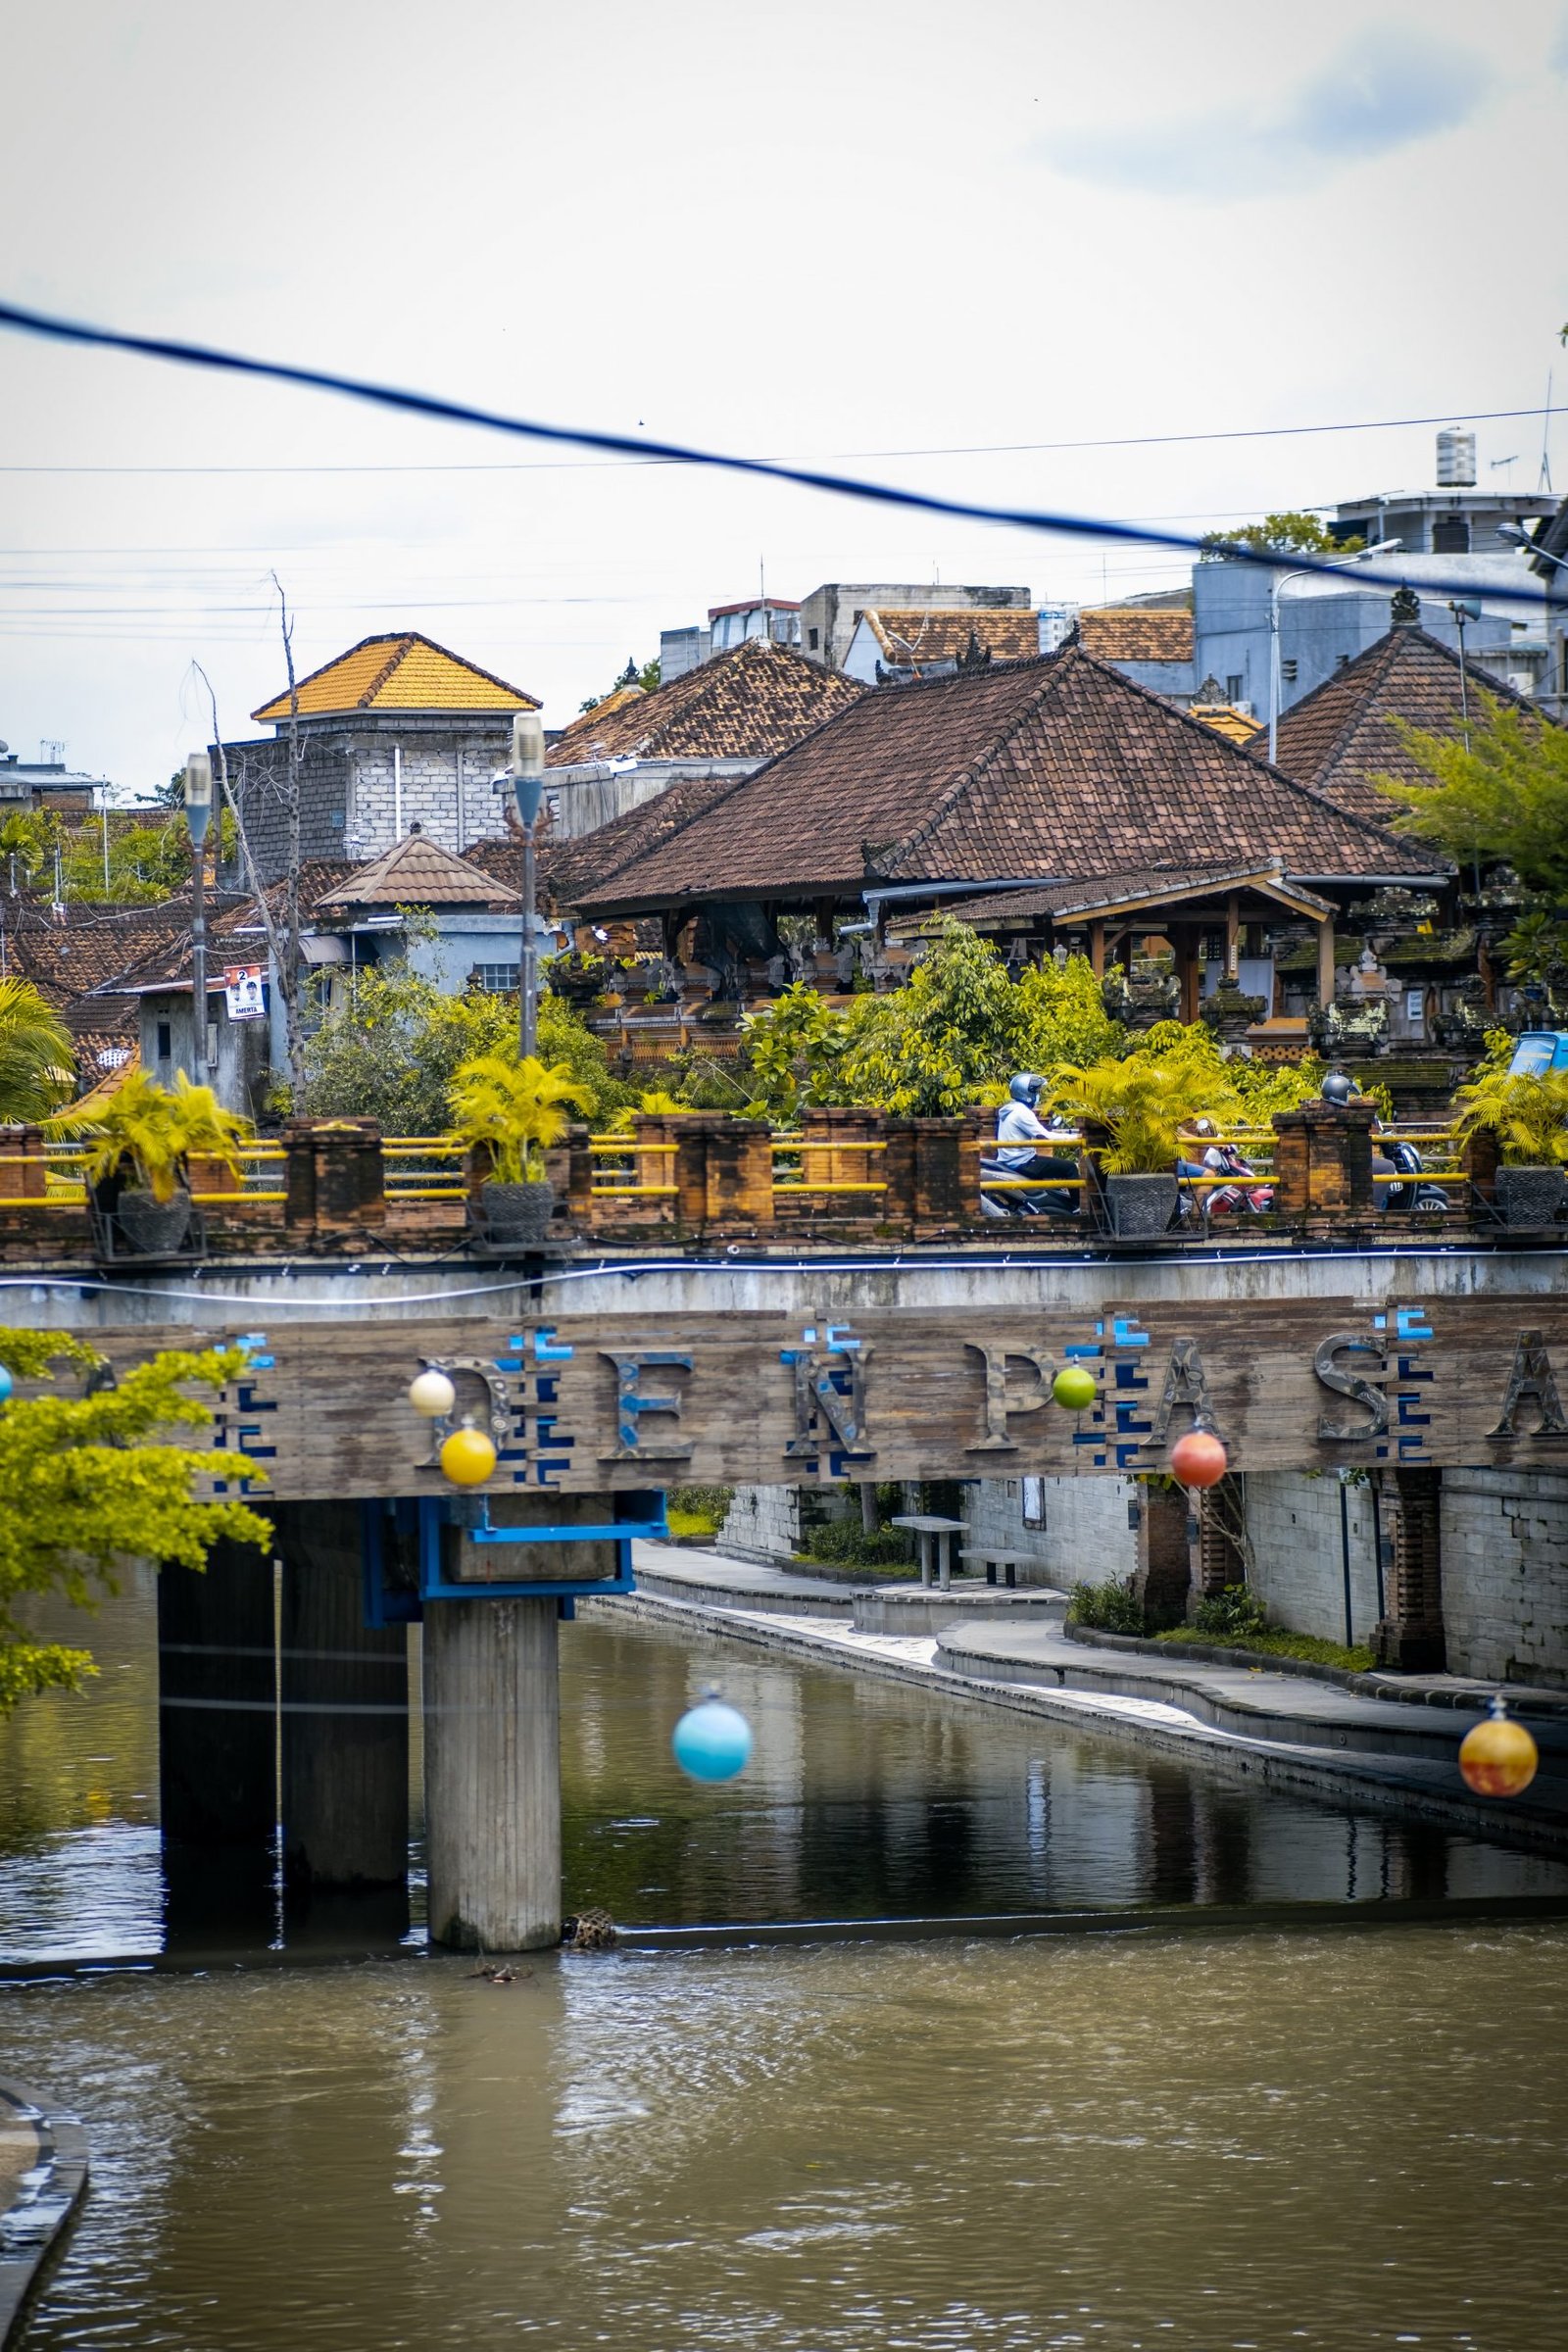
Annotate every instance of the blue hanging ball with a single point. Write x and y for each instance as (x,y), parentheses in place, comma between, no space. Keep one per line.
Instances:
(712,1741)
(5,1385)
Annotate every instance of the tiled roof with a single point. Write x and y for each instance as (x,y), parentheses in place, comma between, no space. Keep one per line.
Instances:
(911,638)
(87,946)
(1135,633)
(1141,884)
(744,704)
(416,872)
(402,672)
(1225,719)
(1056,769)
(1341,734)
(582,866)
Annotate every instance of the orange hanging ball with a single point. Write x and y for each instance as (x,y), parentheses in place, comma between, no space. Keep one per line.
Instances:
(1499,1757)
(467,1457)
(1198,1459)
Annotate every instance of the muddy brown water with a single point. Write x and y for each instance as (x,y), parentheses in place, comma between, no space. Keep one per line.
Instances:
(1267,2140)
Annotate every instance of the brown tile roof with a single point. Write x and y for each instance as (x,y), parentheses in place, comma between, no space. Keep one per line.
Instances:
(1141,885)
(1338,735)
(583,866)
(744,704)
(401,672)
(1053,769)
(1135,633)
(85,948)
(911,638)
(416,872)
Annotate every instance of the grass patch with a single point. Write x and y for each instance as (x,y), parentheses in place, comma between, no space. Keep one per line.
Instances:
(1311,1649)
(696,1513)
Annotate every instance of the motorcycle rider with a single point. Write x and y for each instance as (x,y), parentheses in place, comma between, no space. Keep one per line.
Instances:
(1019,1129)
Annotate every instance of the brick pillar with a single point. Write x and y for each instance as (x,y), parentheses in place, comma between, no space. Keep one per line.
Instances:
(21,1165)
(827,1131)
(938,1172)
(1163,1574)
(1323,1161)
(333,1179)
(1410,1636)
(650,1168)
(1477,1158)
(898,1171)
(740,1172)
(977,1135)
(580,1174)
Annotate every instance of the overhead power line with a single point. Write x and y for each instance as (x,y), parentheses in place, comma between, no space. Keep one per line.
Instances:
(404,400)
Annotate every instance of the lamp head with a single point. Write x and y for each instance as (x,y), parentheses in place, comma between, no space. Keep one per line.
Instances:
(528,763)
(1514,536)
(198,796)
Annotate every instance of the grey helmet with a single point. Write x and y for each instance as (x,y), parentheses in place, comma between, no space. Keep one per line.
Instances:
(1338,1087)
(1025,1087)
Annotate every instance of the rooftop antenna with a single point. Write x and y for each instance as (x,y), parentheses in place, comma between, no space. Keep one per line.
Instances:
(1544,482)
(1495,465)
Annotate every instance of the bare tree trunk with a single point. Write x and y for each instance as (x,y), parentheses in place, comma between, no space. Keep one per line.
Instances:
(284,971)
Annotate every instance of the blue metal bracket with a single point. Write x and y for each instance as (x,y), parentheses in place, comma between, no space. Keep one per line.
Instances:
(639,1512)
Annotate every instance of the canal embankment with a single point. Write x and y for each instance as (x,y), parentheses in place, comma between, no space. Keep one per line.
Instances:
(43,2179)
(1396,1751)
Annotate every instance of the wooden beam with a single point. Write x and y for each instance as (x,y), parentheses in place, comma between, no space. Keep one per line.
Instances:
(1325,962)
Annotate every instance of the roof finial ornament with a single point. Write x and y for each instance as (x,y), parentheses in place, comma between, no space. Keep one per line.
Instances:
(1404,607)
(974,656)
(629,675)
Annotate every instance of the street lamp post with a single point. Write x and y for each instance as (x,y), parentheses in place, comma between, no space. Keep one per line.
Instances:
(1279,580)
(198,815)
(528,784)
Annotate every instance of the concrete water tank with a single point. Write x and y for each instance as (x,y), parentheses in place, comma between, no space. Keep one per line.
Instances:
(1456,459)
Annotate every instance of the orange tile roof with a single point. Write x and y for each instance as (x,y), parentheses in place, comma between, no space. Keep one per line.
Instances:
(911,637)
(1135,633)
(747,703)
(402,672)
(1225,719)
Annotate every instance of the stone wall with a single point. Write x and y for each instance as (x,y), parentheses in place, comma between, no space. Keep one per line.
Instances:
(1087,1537)
(1504,1537)
(1293,1519)
(772,1522)
(353,780)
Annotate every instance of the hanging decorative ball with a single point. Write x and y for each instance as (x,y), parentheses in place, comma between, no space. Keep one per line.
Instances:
(467,1457)
(5,1385)
(1499,1757)
(432,1396)
(1075,1388)
(1198,1459)
(711,1741)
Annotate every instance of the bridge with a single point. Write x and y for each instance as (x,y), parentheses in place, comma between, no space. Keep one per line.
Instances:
(700,1315)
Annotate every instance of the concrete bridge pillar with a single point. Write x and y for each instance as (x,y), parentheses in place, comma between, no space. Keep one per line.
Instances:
(217,1702)
(344,1689)
(1410,1637)
(492,1773)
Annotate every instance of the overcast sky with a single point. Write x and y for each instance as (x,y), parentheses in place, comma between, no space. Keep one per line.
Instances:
(818,231)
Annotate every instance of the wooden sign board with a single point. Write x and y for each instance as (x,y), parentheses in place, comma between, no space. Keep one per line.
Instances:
(608,1402)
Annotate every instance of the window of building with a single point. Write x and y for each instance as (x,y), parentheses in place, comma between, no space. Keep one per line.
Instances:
(499,979)
(1034,1502)
(1233,686)
(166,1041)
(1287,673)
(1450,535)
(812,639)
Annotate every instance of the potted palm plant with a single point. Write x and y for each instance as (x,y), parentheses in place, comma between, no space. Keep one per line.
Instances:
(141,1143)
(509,1114)
(1528,1113)
(1138,1104)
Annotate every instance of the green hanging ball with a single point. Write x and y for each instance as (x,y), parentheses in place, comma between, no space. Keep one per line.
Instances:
(1075,1388)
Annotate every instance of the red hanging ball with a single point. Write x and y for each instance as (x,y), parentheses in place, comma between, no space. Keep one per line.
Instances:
(1199,1459)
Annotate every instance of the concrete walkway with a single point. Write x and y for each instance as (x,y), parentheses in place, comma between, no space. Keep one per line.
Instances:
(1275,1725)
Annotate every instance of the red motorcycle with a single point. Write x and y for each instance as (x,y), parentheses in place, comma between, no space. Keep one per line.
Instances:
(1242,1197)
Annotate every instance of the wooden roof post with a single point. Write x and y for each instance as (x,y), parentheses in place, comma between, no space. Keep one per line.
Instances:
(1325,962)
(1097,948)
(1185,940)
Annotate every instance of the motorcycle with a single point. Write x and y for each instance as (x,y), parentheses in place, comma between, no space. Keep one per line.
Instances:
(1412,1199)
(1009,1200)
(1240,1199)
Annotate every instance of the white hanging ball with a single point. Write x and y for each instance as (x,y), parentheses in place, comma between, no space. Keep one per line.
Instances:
(432,1395)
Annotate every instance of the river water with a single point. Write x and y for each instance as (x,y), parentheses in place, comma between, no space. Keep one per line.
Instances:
(1270,2138)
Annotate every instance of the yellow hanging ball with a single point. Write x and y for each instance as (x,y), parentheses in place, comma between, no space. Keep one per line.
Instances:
(467,1457)
(1499,1757)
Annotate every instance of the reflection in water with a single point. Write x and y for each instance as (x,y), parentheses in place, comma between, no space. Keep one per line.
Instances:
(1193,2142)
(865,1799)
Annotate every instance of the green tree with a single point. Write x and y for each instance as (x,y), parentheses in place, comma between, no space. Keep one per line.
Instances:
(38,1061)
(1292,532)
(392,1050)
(90,1481)
(1503,795)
